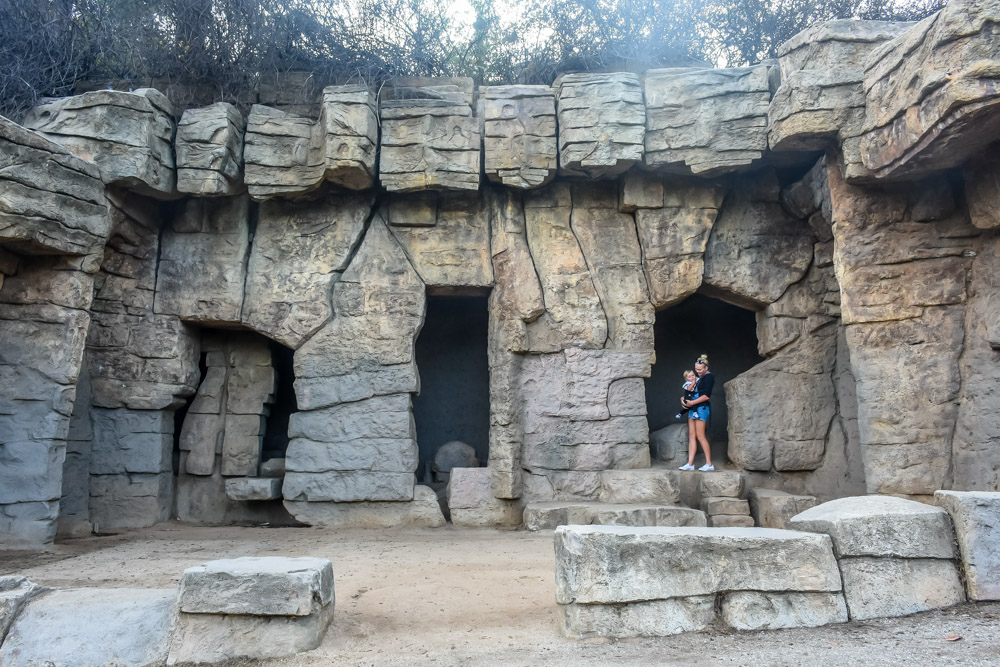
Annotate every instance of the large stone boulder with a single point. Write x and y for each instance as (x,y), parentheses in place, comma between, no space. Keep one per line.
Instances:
(519,138)
(931,92)
(129,135)
(209,147)
(602,123)
(881,587)
(92,626)
(707,121)
(976,516)
(471,501)
(424,510)
(50,201)
(454,454)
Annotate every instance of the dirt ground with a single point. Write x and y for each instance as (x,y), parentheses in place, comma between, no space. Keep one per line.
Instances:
(456,596)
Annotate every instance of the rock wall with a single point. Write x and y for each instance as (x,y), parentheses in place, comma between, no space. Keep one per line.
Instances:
(130,236)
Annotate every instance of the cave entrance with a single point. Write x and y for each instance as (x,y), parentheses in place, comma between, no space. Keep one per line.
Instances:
(699,325)
(276,428)
(454,399)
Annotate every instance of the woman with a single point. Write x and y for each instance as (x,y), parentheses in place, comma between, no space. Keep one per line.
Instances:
(698,410)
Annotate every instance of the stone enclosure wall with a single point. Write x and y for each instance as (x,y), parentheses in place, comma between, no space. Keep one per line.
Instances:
(846,193)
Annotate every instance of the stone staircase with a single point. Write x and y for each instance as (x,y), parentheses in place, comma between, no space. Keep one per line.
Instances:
(659,495)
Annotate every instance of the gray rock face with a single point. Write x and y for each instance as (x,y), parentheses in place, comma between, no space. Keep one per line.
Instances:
(880,587)
(127,135)
(92,626)
(265,586)
(602,123)
(652,485)
(349,121)
(299,252)
(774,509)
(730,521)
(209,148)
(423,510)
(723,484)
(670,443)
(253,488)
(471,501)
(430,141)
(706,121)
(976,515)
(607,564)
(519,136)
(14,594)
(927,88)
(751,610)
(549,515)
(52,201)
(881,526)
(203,259)
(655,618)
(721,505)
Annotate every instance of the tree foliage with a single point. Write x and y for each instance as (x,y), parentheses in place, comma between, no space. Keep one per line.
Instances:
(228,47)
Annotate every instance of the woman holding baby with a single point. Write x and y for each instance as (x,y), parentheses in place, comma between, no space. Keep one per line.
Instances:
(698,408)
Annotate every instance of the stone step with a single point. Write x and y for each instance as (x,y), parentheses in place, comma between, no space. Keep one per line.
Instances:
(253,488)
(640,485)
(713,506)
(548,515)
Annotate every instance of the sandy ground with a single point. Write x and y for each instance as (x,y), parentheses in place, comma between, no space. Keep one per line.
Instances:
(479,596)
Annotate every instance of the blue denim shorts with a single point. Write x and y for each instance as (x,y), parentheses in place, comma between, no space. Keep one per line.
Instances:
(700,413)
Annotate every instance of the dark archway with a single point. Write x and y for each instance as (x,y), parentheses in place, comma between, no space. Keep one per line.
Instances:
(699,325)
(454,399)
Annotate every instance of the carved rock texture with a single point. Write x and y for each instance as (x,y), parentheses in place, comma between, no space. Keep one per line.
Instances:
(931,93)
(209,146)
(283,153)
(127,135)
(519,137)
(350,123)
(707,121)
(602,122)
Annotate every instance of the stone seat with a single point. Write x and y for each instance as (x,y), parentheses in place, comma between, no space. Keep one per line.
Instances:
(549,515)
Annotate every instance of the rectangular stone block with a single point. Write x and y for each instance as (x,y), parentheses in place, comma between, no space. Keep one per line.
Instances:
(257,586)
(655,618)
(722,484)
(253,488)
(730,521)
(209,148)
(353,486)
(241,444)
(423,510)
(608,564)
(771,508)
(976,516)
(752,610)
(520,144)
(880,587)
(712,506)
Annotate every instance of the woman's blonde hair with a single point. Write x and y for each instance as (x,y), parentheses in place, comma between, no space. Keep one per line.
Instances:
(703,360)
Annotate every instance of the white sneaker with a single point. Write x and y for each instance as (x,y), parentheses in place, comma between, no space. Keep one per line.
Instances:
(705,468)
(686,466)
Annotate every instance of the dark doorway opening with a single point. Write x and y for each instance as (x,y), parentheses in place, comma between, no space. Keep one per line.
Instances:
(454,399)
(276,431)
(699,325)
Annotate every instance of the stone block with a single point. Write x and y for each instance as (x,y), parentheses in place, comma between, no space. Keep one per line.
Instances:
(730,521)
(712,506)
(14,594)
(519,140)
(976,517)
(241,444)
(751,610)
(880,587)
(707,121)
(881,526)
(133,500)
(29,525)
(655,618)
(349,122)
(273,468)
(209,148)
(670,443)
(128,135)
(549,515)
(348,486)
(257,586)
(930,93)
(52,200)
(283,154)
(774,509)
(602,123)
(423,510)
(253,488)
(92,626)
(471,501)
(649,486)
(609,564)
(723,484)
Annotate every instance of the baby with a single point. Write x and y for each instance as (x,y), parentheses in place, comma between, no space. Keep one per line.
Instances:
(690,387)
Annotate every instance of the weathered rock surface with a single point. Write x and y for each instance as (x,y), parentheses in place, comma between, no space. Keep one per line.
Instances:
(730,521)
(15,592)
(602,123)
(430,141)
(92,626)
(646,485)
(299,252)
(519,136)
(471,501)
(751,610)
(722,505)
(203,260)
(209,147)
(549,515)
(706,121)
(609,564)
(881,526)
(931,92)
(50,201)
(127,135)
(253,488)
(771,508)
(349,121)
(423,510)
(754,230)
(257,586)
(670,444)
(655,618)
(976,517)
(723,484)
(284,154)
(880,587)
(982,189)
